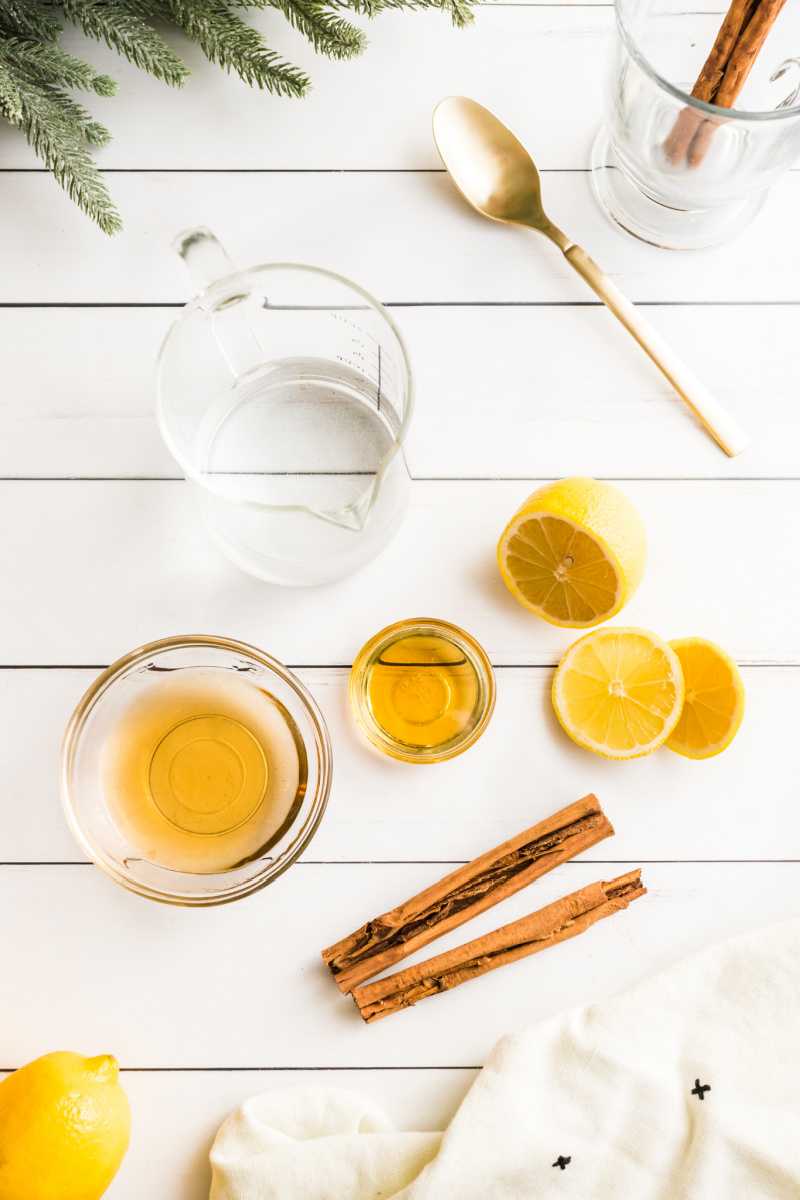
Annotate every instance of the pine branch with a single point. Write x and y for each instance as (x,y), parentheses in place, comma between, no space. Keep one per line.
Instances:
(35,74)
(327,33)
(48,123)
(227,40)
(10,100)
(47,64)
(68,112)
(460,10)
(73,115)
(30,18)
(96,134)
(116,23)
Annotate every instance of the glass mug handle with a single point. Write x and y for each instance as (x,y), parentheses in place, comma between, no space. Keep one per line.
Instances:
(785,66)
(203,262)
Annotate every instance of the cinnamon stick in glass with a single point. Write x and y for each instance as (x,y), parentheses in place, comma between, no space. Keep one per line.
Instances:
(740,63)
(737,45)
(464,893)
(556,923)
(736,19)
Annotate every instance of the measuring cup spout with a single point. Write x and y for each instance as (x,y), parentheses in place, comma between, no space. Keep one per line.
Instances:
(385,492)
(348,518)
(354,516)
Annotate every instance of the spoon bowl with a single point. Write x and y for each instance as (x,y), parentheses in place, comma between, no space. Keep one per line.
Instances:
(489,165)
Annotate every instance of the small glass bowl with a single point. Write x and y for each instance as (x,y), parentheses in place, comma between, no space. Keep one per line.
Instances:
(105,703)
(418,695)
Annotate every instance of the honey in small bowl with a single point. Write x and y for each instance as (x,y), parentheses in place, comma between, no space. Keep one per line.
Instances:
(422,690)
(203,770)
(195,770)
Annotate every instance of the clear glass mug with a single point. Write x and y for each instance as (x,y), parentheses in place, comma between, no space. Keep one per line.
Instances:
(285,392)
(670,169)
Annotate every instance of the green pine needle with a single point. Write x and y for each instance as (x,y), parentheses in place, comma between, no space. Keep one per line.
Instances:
(36,76)
(30,18)
(96,134)
(227,40)
(47,64)
(120,26)
(48,124)
(328,33)
(460,10)
(10,100)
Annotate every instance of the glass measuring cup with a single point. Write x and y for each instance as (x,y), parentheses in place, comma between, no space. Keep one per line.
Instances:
(671,169)
(285,392)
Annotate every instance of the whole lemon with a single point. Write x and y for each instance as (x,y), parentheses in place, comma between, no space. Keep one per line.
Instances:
(65,1124)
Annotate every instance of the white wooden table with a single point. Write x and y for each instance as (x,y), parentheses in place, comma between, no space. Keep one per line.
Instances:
(522,378)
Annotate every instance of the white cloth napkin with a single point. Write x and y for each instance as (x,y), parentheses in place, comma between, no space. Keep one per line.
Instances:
(684,1087)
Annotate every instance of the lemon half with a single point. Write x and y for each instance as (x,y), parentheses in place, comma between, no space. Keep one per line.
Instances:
(574,553)
(619,692)
(714,703)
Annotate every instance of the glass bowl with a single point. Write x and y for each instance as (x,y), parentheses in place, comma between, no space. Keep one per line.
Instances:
(422,690)
(149,735)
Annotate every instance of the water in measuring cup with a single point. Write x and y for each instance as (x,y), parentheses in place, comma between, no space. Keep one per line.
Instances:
(310,432)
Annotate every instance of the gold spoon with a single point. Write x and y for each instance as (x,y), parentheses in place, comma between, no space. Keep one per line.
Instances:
(496,175)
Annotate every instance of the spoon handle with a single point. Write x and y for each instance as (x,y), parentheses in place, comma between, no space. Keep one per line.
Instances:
(708,409)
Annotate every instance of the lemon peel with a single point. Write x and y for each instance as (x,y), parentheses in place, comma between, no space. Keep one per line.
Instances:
(714,705)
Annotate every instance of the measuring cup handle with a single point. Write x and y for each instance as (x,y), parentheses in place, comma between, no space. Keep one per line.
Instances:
(202,258)
(204,262)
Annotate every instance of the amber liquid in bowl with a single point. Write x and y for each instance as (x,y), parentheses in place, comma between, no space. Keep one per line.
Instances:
(203,771)
(422,691)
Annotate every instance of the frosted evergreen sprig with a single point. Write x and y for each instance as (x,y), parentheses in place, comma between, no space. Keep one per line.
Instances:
(30,18)
(33,78)
(227,40)
(120,26)
(56,127)
(10,99)
(328,33)
(36,76)
(46,64)
(460,10)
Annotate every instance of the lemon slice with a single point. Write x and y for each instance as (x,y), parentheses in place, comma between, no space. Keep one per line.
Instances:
(574,553)
(714,703)
(619,692)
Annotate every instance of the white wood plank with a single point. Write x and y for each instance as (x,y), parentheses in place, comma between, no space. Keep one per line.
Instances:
(100,567)
(740,805)
(86,964)
(522,60)
(406,237)
(176,1115)
(92,569)
(503,392)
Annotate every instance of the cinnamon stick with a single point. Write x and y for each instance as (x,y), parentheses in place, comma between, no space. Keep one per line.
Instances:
(555,923)
(746,51)
(737,45)
(680,139)
(736,19)
(464,893)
